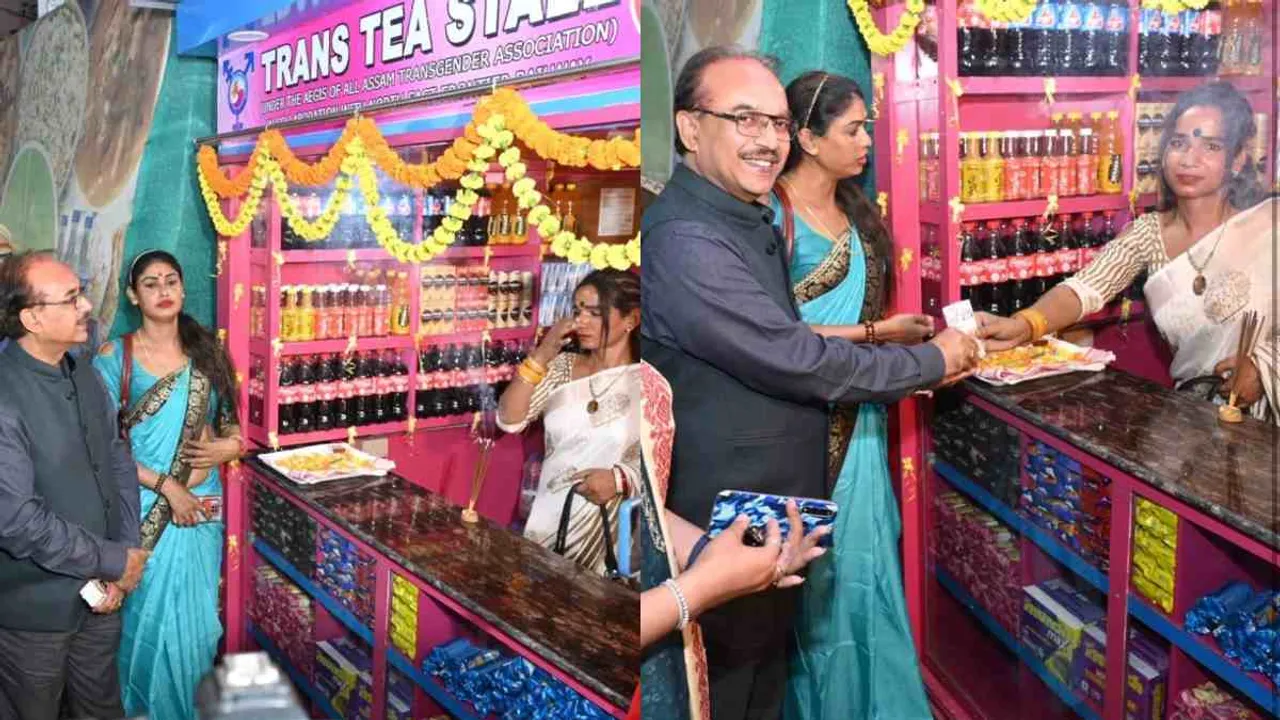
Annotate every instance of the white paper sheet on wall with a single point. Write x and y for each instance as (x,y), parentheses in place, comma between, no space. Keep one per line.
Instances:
(617,212)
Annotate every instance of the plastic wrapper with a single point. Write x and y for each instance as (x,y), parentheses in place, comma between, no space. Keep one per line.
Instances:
(1261,611)
(1212,610)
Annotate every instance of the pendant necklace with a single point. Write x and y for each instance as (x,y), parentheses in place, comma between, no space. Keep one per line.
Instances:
(1199,284)
(822,227)
(594,405)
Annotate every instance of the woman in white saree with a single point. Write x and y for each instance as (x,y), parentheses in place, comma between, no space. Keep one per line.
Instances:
(1209,253)
(587,401)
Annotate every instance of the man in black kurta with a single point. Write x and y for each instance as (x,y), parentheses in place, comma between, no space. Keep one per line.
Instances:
(751,382)
(69,504)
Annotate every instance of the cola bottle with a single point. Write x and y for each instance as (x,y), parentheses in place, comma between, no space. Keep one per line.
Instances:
(1206,55)
(284,406)
(1044,36)
(1070,37)
(1068,248)
(346,369)
(970,268)
(402,388)
(1017,45)
(362,402)
(967,39)
(326,391)
(1115,56)
(1022,267)
(304,407)
(1093,46)
(390,386)
(1046,244)
(1152,20)
(995,58)
(1087,239)
(376,405)
(997,272)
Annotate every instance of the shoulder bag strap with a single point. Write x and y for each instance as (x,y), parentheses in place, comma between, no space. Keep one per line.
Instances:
(562,533)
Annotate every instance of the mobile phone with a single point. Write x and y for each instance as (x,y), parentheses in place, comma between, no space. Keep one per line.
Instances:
(94,593)
(758,507)
(574,345)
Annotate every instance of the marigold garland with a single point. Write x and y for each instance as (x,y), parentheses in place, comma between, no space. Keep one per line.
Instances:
(1007,11)
(257,184)
(612,154)
(878,42)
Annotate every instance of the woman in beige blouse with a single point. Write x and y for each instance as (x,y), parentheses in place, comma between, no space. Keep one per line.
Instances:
(588,402)
(1208,252)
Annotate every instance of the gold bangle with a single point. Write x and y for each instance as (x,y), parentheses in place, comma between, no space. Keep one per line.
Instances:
(529,376)
(1036,319)
(535,366)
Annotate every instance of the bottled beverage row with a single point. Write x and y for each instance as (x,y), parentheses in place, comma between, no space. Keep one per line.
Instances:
(1091,38)
(326,392)
(1078,156)
(1066,37)
(496,218)
(335,311)
(1208,41)
(1150,125)
(1005,266)
(469,299)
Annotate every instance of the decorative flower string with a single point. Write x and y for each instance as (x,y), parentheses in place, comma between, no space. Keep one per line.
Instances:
(1007,11)
(570,150)
(878,42)
(256,185)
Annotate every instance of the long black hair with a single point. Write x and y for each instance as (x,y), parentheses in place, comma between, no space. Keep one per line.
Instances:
(1243,189)
(202,346)
(816,100)
(618,290)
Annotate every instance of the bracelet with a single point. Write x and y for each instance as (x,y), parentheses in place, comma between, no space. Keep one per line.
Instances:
(870,327)
(671,585)
(698,547)
(534,365)
(1036,319)
(620,483)
(529,375)
(160,481)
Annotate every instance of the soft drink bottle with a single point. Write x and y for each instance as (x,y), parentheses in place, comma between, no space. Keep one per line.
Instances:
(993,168)
(997,271)
(995,59)
(1168,51)
(1110,156)
(1013,180)
(1151,20)
(1046,244)
(304,407)
(1068,248)
(1032,163)
(1017,46)
(1086,163)
(1255,38)
(967,42)
(1067,164)
(1045,39)
(1070,37)
(344,368)
(1189,46)
(1207,46)
(970,258)
(1115,59)
(1049,165)
(1022,267)
(1094,46)
(284,403)
(1088,241)
(971,173)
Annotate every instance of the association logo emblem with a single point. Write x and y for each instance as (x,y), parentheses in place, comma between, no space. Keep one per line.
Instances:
(238,87)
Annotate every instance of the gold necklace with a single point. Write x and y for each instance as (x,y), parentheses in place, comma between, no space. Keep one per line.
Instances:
(813,215)
(1199,284)
(594,405)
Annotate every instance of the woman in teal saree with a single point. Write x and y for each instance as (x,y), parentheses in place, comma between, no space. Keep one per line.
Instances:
(853,654)
(175,389)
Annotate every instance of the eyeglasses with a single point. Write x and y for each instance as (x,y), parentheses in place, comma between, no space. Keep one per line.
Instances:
(72,302)
(753,124)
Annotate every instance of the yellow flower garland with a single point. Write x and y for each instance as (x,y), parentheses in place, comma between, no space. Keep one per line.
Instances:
(1008,11)
(1175,6)
(249,210)
(878,42)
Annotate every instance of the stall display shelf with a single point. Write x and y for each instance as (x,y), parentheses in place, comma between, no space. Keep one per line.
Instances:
(402,426)
(333,347)
(1064,693)
(937,213)
(300,682)
(335,608)
(452,705)
(1243,83)
(1027,529)
(496,335)
(292,257)
(1035,86)
(1252,685)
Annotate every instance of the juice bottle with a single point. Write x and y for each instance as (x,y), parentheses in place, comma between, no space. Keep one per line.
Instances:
(1110,156)
(321,308)
(1012,165)
(971,178)
(993,169)
(1034,141)
(1067,166)
(306,322)
(288,314)
(381,311)
(1049,176)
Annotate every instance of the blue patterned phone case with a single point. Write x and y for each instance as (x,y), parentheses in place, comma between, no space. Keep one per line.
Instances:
(759,508)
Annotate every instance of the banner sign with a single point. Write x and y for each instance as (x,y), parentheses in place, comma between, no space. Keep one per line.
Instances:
(378,51)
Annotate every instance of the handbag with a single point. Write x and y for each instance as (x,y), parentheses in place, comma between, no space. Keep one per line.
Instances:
(562,535)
